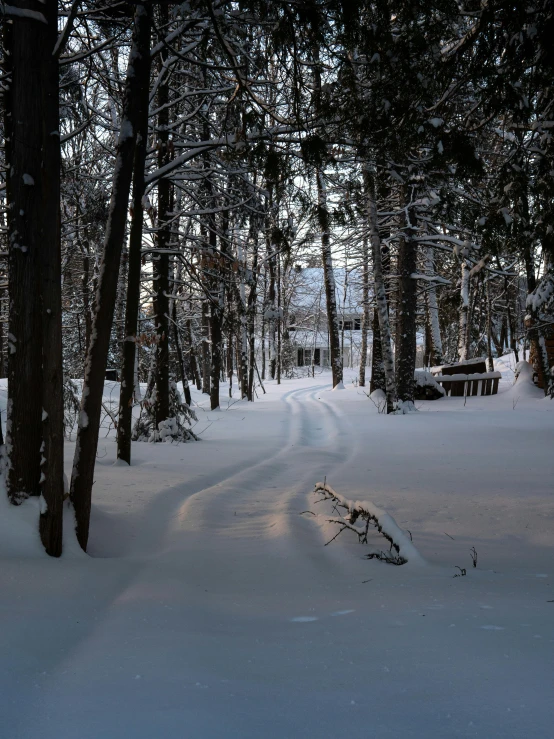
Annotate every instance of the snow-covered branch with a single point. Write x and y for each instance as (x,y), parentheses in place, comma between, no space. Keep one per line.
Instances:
(373,516)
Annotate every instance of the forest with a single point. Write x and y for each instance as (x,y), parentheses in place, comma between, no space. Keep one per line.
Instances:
(212,214)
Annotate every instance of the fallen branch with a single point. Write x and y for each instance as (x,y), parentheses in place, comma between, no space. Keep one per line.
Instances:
(400,542)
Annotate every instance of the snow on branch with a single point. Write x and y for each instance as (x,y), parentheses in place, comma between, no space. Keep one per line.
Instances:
(430,278)
(402,549)
(14,12)
(542,294)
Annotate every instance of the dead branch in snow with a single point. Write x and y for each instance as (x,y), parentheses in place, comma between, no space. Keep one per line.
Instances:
(401,548)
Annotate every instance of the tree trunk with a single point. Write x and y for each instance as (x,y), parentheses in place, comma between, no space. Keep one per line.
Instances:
(435,341)
(95,369)
(464,309)
(329,280)
(380,292)
(28,47)
(127,390)
(378,380)
(490,363)
(192,356)
(407,310)
(35,373)
(251,310)
(206,358)
(365,316)
(176,338)
(160,262)
(86,299)
(52,473)
(217,294)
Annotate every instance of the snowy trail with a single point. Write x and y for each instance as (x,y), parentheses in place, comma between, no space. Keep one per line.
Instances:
(214,609)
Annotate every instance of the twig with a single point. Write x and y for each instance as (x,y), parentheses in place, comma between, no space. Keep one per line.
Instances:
(335,536)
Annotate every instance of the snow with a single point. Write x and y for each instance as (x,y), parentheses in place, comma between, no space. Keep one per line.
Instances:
(24,13)
(209,606)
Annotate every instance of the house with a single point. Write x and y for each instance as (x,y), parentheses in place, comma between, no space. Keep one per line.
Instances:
(307,313)
(308,316)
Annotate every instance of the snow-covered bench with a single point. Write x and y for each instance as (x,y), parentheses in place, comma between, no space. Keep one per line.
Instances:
(482,383)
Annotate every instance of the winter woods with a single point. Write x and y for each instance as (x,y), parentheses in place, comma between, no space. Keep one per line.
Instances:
(219,192)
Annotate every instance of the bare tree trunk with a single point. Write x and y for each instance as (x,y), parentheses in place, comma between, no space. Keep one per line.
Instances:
(464,309)
(206,358)
(85,293)
(435,349)
(177,339)
(192,356)
(217,293)
(95,369)
(490,363)
(27,48)
(35,375)
(407,309)
(160,262)
(127,390)
(329,280)
(243,377)
(52,472)
(251,310)
(378,381)
(380,292)
(366,314)
(278,358)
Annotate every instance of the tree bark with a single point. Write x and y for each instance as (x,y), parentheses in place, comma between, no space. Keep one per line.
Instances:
(380,292)
(490,363)
(52,472)
(407,310)
(378,381)
(464,309)
(329,280)
(435,349)
(160,261)
(27,47)
(251,310)
(35,374)
(366,313)
(95,369)
(127,390)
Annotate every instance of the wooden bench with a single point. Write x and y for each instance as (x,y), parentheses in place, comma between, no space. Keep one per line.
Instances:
(482,383)
(467,367)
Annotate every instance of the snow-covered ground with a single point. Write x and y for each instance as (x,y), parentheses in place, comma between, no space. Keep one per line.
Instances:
(210,607)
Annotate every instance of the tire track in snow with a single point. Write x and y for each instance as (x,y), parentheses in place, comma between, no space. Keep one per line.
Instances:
(234,496)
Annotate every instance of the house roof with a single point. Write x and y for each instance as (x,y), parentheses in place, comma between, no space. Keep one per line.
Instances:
(308,290)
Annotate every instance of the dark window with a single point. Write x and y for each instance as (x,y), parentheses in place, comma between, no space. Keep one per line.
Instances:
(347,325)
(300,358)
(357,324)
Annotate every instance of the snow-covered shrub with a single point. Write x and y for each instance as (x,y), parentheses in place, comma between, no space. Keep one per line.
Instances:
(426,387)
(174,428)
